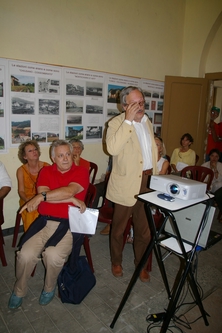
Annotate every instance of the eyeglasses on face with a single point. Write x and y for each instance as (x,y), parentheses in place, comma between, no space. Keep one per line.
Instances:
(141,103)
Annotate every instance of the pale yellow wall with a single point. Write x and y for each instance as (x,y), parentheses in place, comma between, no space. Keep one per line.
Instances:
(142,38)
(202,48)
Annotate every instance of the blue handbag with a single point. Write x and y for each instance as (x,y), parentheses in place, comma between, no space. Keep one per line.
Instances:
(75,284)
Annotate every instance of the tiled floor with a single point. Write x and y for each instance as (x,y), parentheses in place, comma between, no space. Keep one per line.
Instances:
(96,312)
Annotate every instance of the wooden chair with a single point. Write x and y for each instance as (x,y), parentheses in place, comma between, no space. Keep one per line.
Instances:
(89,199)
(93,168)
(2,252)
(199,173)
(16,228)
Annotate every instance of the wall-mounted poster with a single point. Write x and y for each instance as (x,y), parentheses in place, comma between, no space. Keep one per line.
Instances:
(84,102)
(35,96)
(44,102)
(154,95)
(4,116)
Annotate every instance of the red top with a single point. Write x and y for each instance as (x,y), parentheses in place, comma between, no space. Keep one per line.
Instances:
(84,163)
(51,177)
(211,144)
(219,144)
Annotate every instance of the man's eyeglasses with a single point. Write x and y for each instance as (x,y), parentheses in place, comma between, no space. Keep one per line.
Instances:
(141,104)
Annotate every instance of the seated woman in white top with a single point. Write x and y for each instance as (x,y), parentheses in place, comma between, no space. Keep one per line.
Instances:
(216,186)
(162,163)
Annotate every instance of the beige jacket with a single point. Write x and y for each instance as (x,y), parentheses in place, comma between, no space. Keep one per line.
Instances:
(123,144)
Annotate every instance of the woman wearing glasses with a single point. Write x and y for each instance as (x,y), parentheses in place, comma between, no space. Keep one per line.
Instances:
(184,155)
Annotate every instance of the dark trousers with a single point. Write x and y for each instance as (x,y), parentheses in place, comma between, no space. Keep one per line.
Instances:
(140,227)
(218,198)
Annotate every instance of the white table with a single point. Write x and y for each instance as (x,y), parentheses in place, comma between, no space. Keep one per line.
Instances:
(151,199)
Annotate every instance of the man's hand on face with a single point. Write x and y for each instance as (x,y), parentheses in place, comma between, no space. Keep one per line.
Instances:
(131,111)
(76,159)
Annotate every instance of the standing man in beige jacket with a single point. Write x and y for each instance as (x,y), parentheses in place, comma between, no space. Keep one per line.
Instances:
(130,140)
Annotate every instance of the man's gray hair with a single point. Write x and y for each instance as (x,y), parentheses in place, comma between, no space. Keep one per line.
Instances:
(126,91)
(57,143)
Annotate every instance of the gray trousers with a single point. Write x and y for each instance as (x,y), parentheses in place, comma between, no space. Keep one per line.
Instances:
(53,258)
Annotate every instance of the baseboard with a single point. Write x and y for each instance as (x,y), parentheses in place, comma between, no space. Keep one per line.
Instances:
(10,231)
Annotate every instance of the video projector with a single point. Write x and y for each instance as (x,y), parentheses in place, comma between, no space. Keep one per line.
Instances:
(177,187)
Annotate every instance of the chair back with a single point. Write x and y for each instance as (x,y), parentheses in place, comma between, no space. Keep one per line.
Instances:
(168,158)
(1,212)
(90,196)
(196,159)
(93,168)
(199,173)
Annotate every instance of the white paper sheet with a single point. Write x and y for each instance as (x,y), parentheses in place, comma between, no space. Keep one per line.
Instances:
(84,223)
(181,165)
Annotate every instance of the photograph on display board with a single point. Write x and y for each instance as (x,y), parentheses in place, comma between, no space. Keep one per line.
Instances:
(48,86)
(73,120)
(1,89)
(49,106)
(113,93)
(23,106)
(2,143)
(74,88)
(52,136)
(147,104)
(22,84)
(74,106)
(113,112)
(21,130)
(155,94)
(147,93)
(95,109)
(157,130)
(94,89)
(160,105)
(39,136)
(157,118)
(73,132)
(94,132)
(153,105)
(150,116)
(1,109)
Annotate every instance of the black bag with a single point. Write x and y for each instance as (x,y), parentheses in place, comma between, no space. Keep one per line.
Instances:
(74,285)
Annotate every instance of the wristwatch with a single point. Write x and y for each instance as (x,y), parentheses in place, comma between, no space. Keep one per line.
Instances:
(44,195)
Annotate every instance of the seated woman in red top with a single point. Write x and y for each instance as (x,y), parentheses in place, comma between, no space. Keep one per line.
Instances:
(78,148)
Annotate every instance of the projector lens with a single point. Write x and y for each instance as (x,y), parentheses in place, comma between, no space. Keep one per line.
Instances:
(174,189)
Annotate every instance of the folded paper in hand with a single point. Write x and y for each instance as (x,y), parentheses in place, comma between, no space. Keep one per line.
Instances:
(84,223)
(181,165)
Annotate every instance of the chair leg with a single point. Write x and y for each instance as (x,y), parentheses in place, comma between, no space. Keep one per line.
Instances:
(88,252)
(16,229)
(2,252)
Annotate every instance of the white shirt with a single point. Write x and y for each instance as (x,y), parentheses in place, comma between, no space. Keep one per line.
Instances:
(5,180)
(160,163)
(145,142)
